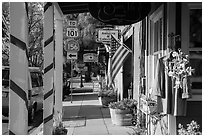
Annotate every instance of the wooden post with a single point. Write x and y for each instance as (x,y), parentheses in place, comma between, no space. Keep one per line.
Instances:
(49,63)
(18,92)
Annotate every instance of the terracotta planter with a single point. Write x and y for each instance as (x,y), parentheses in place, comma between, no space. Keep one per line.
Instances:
(121,117)
(104,101)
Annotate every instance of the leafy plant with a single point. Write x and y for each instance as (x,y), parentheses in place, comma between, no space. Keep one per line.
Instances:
(124,104)
(107,92)
(59,129)
(192,129)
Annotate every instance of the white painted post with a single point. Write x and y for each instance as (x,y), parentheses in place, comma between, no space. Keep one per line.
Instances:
(18,92)
(58,16)
(71,86)
(49,63)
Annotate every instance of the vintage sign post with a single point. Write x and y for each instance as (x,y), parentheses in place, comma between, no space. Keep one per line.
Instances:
(72,46)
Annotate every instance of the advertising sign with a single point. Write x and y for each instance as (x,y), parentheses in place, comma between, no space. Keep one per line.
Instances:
(90,57)
(105,35)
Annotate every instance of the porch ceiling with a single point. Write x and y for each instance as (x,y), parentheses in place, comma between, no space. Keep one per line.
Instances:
(109,12)
(73,7)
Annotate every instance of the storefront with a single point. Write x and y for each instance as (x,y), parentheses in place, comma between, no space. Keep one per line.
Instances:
(168,27)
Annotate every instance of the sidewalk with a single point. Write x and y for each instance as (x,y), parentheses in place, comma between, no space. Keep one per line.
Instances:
(85,116)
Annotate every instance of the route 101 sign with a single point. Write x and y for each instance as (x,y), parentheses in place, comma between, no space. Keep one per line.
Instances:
(72,32)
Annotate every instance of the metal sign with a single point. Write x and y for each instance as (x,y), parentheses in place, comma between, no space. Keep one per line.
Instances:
(72,32)
(105,35)
(80,65)
(72,23)
(90,57)
(72,55)
(72,45)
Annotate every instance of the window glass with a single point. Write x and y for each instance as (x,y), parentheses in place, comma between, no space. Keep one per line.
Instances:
(197,65)
(195,28)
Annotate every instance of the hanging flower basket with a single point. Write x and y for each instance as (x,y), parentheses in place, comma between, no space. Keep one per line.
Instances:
(179,68)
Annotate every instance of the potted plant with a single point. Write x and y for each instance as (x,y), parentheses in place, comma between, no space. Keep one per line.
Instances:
(191,129)
(106,96)
(122,112)
(58,129)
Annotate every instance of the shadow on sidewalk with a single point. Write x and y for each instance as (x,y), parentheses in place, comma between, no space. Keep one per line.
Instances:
(88,111)
(81,96)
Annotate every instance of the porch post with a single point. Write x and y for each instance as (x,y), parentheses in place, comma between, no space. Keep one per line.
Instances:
(18,91)
(49,65)
(58,18)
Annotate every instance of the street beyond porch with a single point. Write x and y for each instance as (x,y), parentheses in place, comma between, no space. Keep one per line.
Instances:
(86,116)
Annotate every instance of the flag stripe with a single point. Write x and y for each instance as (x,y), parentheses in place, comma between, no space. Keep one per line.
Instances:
(120,49)
(118,54)
(115,71)
(119,60)
(118,57)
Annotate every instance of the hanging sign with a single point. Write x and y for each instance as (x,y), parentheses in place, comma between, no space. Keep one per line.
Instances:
(105,35)
(90,57)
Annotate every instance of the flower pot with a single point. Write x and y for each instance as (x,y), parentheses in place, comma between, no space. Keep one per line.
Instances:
(121,117)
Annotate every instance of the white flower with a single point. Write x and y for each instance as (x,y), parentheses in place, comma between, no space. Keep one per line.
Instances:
(171,73)
(174,54)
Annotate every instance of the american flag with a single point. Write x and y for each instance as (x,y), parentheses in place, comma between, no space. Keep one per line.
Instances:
(119,52)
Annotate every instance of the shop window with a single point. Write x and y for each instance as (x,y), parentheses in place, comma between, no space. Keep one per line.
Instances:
(195,28)
(156,46)
(192,44)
